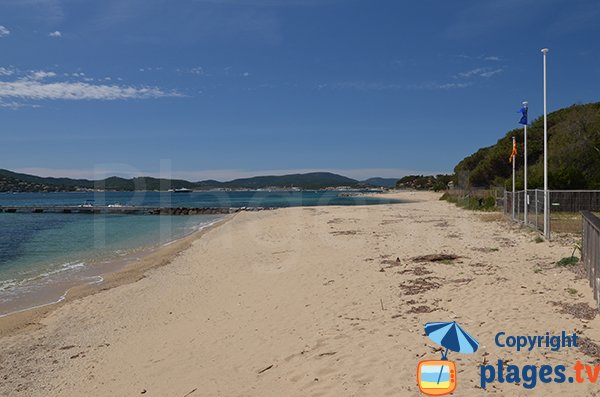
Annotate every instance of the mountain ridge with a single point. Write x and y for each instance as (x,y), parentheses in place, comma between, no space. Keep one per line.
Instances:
(18,182)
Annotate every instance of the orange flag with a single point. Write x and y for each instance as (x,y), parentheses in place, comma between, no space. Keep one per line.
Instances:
(514,152)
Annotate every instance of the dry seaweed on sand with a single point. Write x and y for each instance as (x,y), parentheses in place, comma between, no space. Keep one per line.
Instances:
(345,232)
(589,348)
(421,309)
(417,271)
(582,311)
(419,285)
(436,258)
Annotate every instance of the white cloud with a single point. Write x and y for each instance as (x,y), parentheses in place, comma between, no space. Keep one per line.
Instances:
(198,70)
(447,86)
(377,86)
(491,73)
(56,33)
(479,72)
(472,72)
(38,90)
(493,58)
(41,75)
(367,86)
(6,71)
(16,105)
(4,31)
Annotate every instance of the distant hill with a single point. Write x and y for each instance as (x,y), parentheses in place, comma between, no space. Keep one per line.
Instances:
(312,180)
(381,182)
(573,153)
(16,182)
(27,182)
(424,182)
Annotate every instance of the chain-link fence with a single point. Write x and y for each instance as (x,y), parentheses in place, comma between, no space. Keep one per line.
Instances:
(564,209)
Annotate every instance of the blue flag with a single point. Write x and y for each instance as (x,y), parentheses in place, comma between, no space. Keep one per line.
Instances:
(523,111)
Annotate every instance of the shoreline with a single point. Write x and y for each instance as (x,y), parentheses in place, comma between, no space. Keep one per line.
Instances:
(129,269)
(313,301)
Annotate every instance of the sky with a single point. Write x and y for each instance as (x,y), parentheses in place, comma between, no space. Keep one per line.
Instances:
(201,89)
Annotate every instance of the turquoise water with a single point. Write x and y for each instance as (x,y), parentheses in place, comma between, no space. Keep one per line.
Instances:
(42,255)
(194,199)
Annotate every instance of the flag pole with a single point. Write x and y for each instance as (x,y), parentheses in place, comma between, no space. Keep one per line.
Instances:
(513,183)
(546,195)
(525,167)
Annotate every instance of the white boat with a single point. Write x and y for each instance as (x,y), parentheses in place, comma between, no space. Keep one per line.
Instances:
(181,190)
(87,204)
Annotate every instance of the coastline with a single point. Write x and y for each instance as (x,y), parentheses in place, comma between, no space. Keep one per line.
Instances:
(128,270)
(310,301)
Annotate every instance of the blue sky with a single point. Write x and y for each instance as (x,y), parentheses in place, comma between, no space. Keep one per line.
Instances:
(222,89)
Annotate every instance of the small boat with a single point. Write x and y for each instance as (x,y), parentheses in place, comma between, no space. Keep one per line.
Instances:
(181,190)
(87,204)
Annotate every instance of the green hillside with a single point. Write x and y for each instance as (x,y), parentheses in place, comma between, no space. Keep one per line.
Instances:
(312,180)
(424,182)
(382,182)
(573,153)
(16,182)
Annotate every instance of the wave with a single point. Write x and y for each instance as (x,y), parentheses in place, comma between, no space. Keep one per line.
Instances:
(6,285)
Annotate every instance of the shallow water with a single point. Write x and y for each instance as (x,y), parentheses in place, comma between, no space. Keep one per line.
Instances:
(44,254)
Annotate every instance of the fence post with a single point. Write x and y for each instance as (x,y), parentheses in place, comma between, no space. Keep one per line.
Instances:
(590,251)
(549,213)
(536,210)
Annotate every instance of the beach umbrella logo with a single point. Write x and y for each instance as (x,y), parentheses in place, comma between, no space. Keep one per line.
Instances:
(438,377)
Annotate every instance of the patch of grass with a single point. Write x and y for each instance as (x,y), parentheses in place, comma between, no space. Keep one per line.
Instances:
(538,239)
(487,203)
(568,261)
(571,291)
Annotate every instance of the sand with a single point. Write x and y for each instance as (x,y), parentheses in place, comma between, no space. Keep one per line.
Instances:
(321,301)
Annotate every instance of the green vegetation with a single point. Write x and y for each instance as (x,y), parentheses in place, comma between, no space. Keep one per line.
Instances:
(485,202)
(568,261)
(571,291)
(573,153)
(382,182)
(425,182)
(538,239)
(16,182)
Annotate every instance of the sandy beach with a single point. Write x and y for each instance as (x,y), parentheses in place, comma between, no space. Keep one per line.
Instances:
(315,301)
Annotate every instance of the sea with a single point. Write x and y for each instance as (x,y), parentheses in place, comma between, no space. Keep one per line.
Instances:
(43,255)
